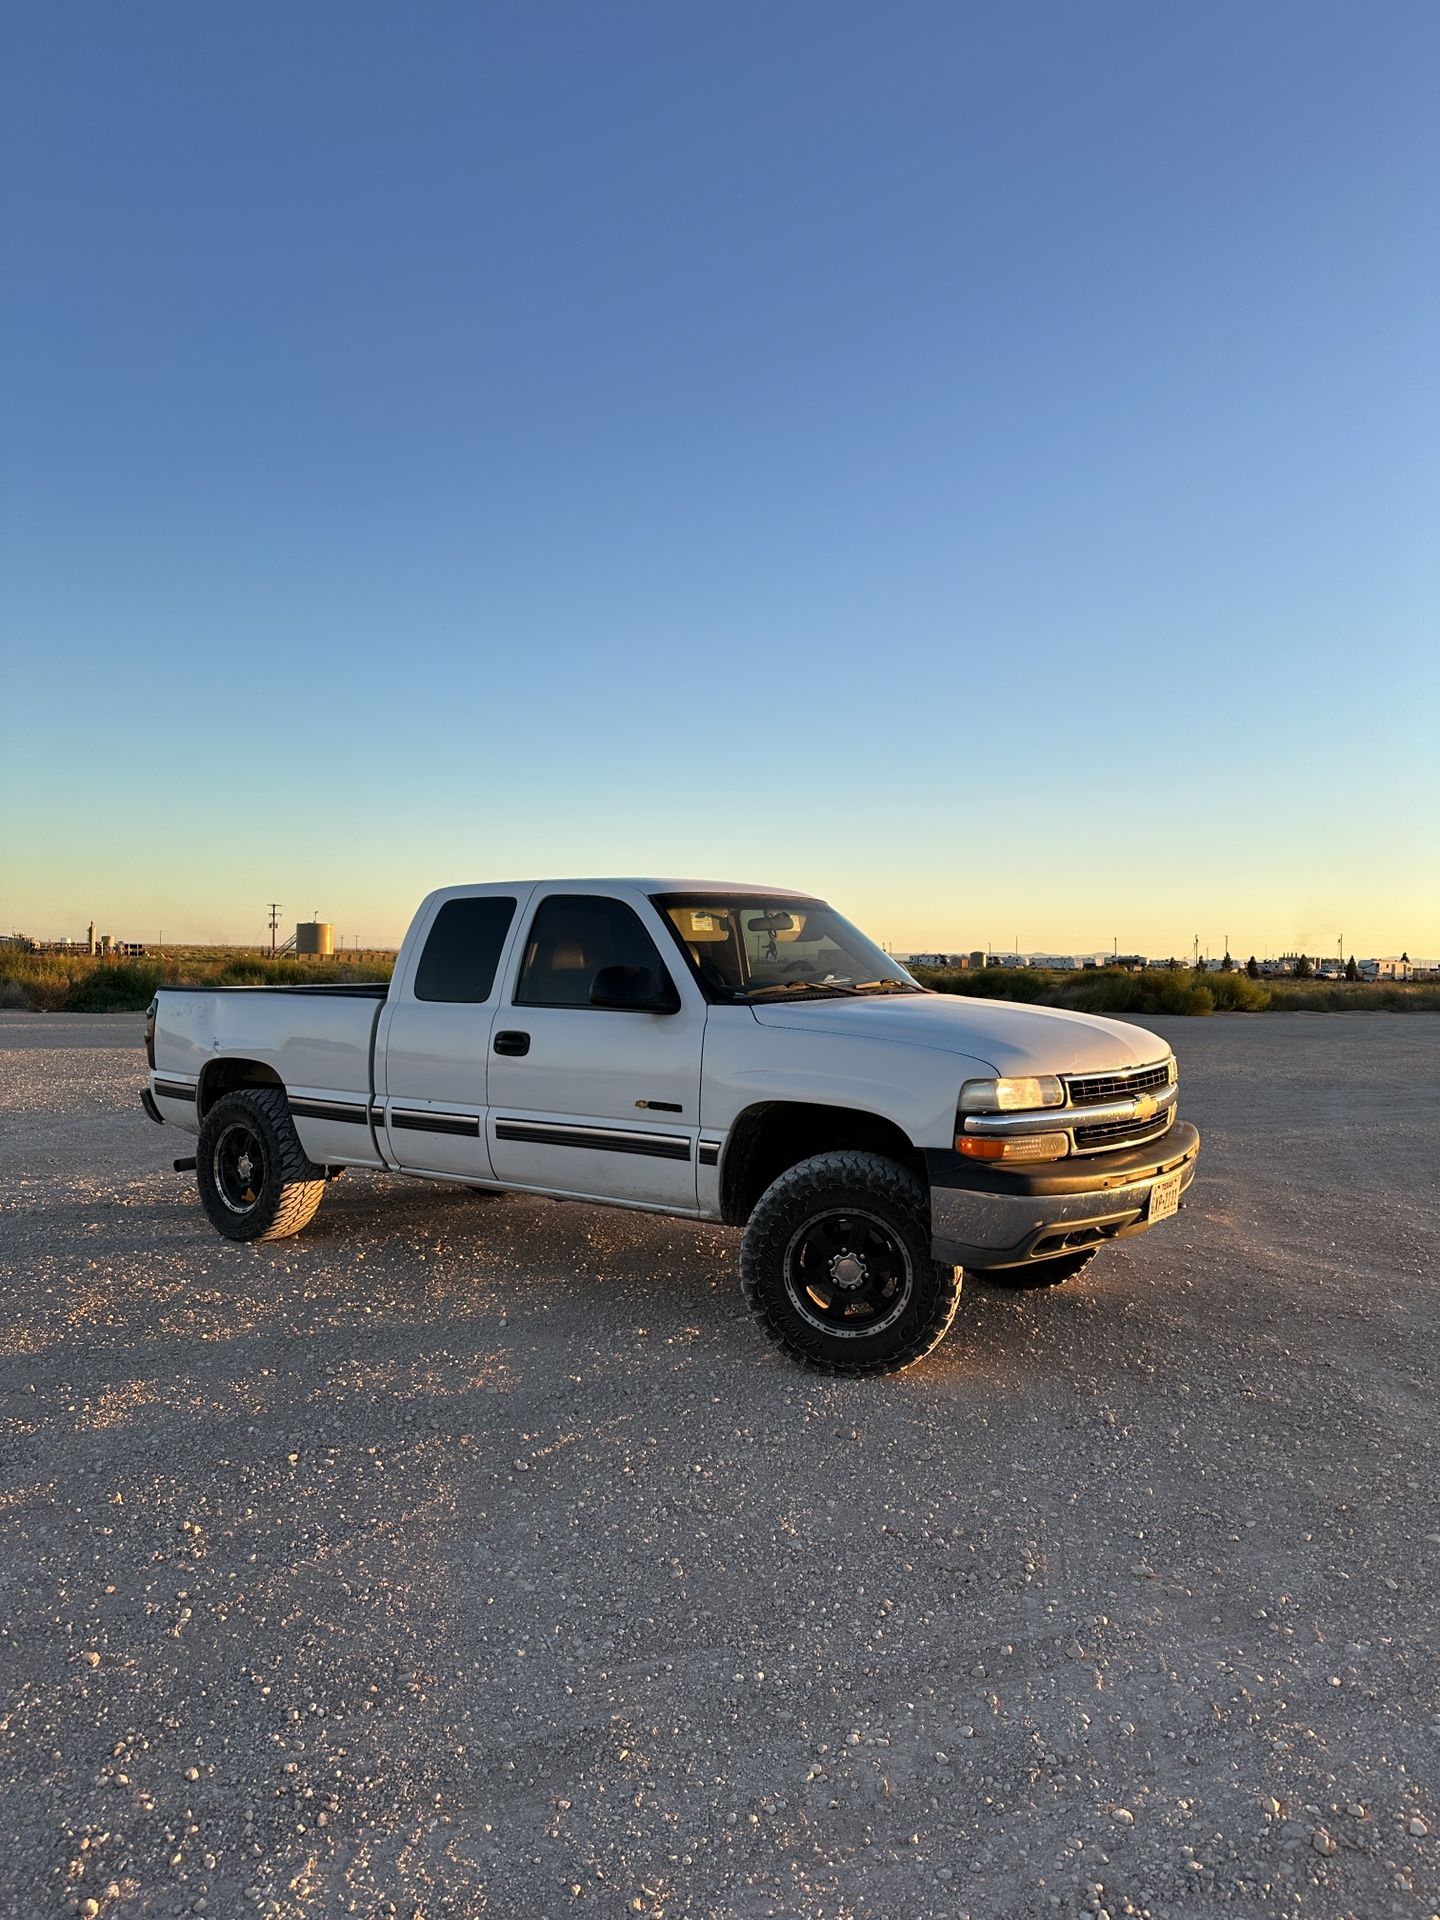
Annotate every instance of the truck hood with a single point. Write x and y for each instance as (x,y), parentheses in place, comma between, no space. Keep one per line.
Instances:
(1005,1034)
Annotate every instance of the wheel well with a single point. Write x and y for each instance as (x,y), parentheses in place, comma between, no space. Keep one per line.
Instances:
(777,1134)
(224,1076)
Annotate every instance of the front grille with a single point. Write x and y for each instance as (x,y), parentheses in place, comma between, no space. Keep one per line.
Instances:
(1087,1088)
(1121,1133)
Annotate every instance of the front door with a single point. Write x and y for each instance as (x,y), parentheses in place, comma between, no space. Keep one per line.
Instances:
(587,1100)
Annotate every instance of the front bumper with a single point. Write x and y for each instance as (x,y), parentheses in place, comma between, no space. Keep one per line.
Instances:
(981,1217)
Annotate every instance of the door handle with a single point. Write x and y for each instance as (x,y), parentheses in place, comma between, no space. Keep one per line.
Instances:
(512,1043)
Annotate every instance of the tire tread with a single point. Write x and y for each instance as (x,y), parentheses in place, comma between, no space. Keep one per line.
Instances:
(302,1183)
(872,1175)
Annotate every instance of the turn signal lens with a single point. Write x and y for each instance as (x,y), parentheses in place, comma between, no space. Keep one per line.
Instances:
(1011,1096)
(1024,1146)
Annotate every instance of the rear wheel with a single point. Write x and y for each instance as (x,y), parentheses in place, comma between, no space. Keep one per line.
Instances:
(836,1266)
(255,1179)
(1039,1273)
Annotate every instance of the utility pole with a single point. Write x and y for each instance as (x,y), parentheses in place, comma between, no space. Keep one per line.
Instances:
(1195,943)
(274,923)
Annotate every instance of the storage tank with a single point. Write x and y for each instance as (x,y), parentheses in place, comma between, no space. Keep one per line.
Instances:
(314,936)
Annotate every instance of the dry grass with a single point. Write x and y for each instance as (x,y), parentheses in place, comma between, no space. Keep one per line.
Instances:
(88,983)
(1179,990)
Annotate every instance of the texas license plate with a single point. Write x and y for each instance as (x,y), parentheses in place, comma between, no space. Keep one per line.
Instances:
(1164,1199)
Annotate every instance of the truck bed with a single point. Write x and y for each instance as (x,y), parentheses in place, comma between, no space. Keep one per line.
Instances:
(317,1041)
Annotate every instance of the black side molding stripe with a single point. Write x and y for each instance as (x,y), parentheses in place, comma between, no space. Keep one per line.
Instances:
(656,1146)
(709,1153)
(174,1090)
(408,1122)
(330,1110)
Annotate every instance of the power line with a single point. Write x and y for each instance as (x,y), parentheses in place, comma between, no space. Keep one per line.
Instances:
(274,924)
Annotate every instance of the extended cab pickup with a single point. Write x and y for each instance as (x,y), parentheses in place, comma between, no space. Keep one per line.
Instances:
(727,1053)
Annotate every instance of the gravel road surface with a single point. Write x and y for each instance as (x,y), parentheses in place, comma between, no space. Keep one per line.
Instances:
(467,1558)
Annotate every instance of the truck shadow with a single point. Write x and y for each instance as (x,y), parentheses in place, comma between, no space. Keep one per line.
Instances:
(429,1262)
(618,1267)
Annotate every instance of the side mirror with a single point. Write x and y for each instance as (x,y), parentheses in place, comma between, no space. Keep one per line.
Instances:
(633,990)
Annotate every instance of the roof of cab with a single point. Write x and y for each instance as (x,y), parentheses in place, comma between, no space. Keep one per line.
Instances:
(594,883)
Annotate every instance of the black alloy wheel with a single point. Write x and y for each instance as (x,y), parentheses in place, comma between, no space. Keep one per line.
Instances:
(237,1166)
(837,1269)
(255,1179)
(847,1273)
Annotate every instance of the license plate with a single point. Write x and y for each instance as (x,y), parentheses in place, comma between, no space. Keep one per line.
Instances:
(1164,1199)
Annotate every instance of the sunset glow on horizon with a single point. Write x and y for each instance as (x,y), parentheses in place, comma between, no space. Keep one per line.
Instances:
(977,466)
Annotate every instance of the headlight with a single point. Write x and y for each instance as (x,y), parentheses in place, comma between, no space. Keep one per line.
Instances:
(1010,1096)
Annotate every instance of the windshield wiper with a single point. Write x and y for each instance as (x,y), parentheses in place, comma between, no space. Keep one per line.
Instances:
(802,986)
(886,986)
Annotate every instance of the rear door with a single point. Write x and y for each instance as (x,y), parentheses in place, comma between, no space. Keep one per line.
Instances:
(432,1055)
(593,1101)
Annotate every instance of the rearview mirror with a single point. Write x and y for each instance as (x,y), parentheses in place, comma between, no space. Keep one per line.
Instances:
(633,990)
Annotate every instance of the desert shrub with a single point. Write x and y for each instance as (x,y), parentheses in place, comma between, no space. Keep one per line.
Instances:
(1108,990)
(1179,990)
(988,983)
(119,986)
(1288,996)
(87,983)
(1238,993)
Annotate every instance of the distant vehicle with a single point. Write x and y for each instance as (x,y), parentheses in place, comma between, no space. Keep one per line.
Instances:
(722,1053)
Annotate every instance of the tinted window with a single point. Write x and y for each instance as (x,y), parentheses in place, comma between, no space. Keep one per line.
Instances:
(463,949)
(572,936)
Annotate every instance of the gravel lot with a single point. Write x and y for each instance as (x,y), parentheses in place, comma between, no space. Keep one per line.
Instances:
(468,1558)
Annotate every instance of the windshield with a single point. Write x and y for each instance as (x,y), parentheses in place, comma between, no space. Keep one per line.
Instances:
(749,947)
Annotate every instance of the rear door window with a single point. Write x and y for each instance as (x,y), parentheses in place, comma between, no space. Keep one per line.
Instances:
(463,949)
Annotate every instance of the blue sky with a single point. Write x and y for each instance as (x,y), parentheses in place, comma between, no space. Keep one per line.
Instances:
(978,462)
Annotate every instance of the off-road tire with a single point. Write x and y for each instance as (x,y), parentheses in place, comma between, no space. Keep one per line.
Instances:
(1038,1273)
(254,1125)
(890,1202)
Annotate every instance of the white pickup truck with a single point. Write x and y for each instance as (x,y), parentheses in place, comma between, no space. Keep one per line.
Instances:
(724,1053)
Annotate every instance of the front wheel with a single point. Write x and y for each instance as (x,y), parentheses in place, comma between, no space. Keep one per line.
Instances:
(256,1181)
(836,1266)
